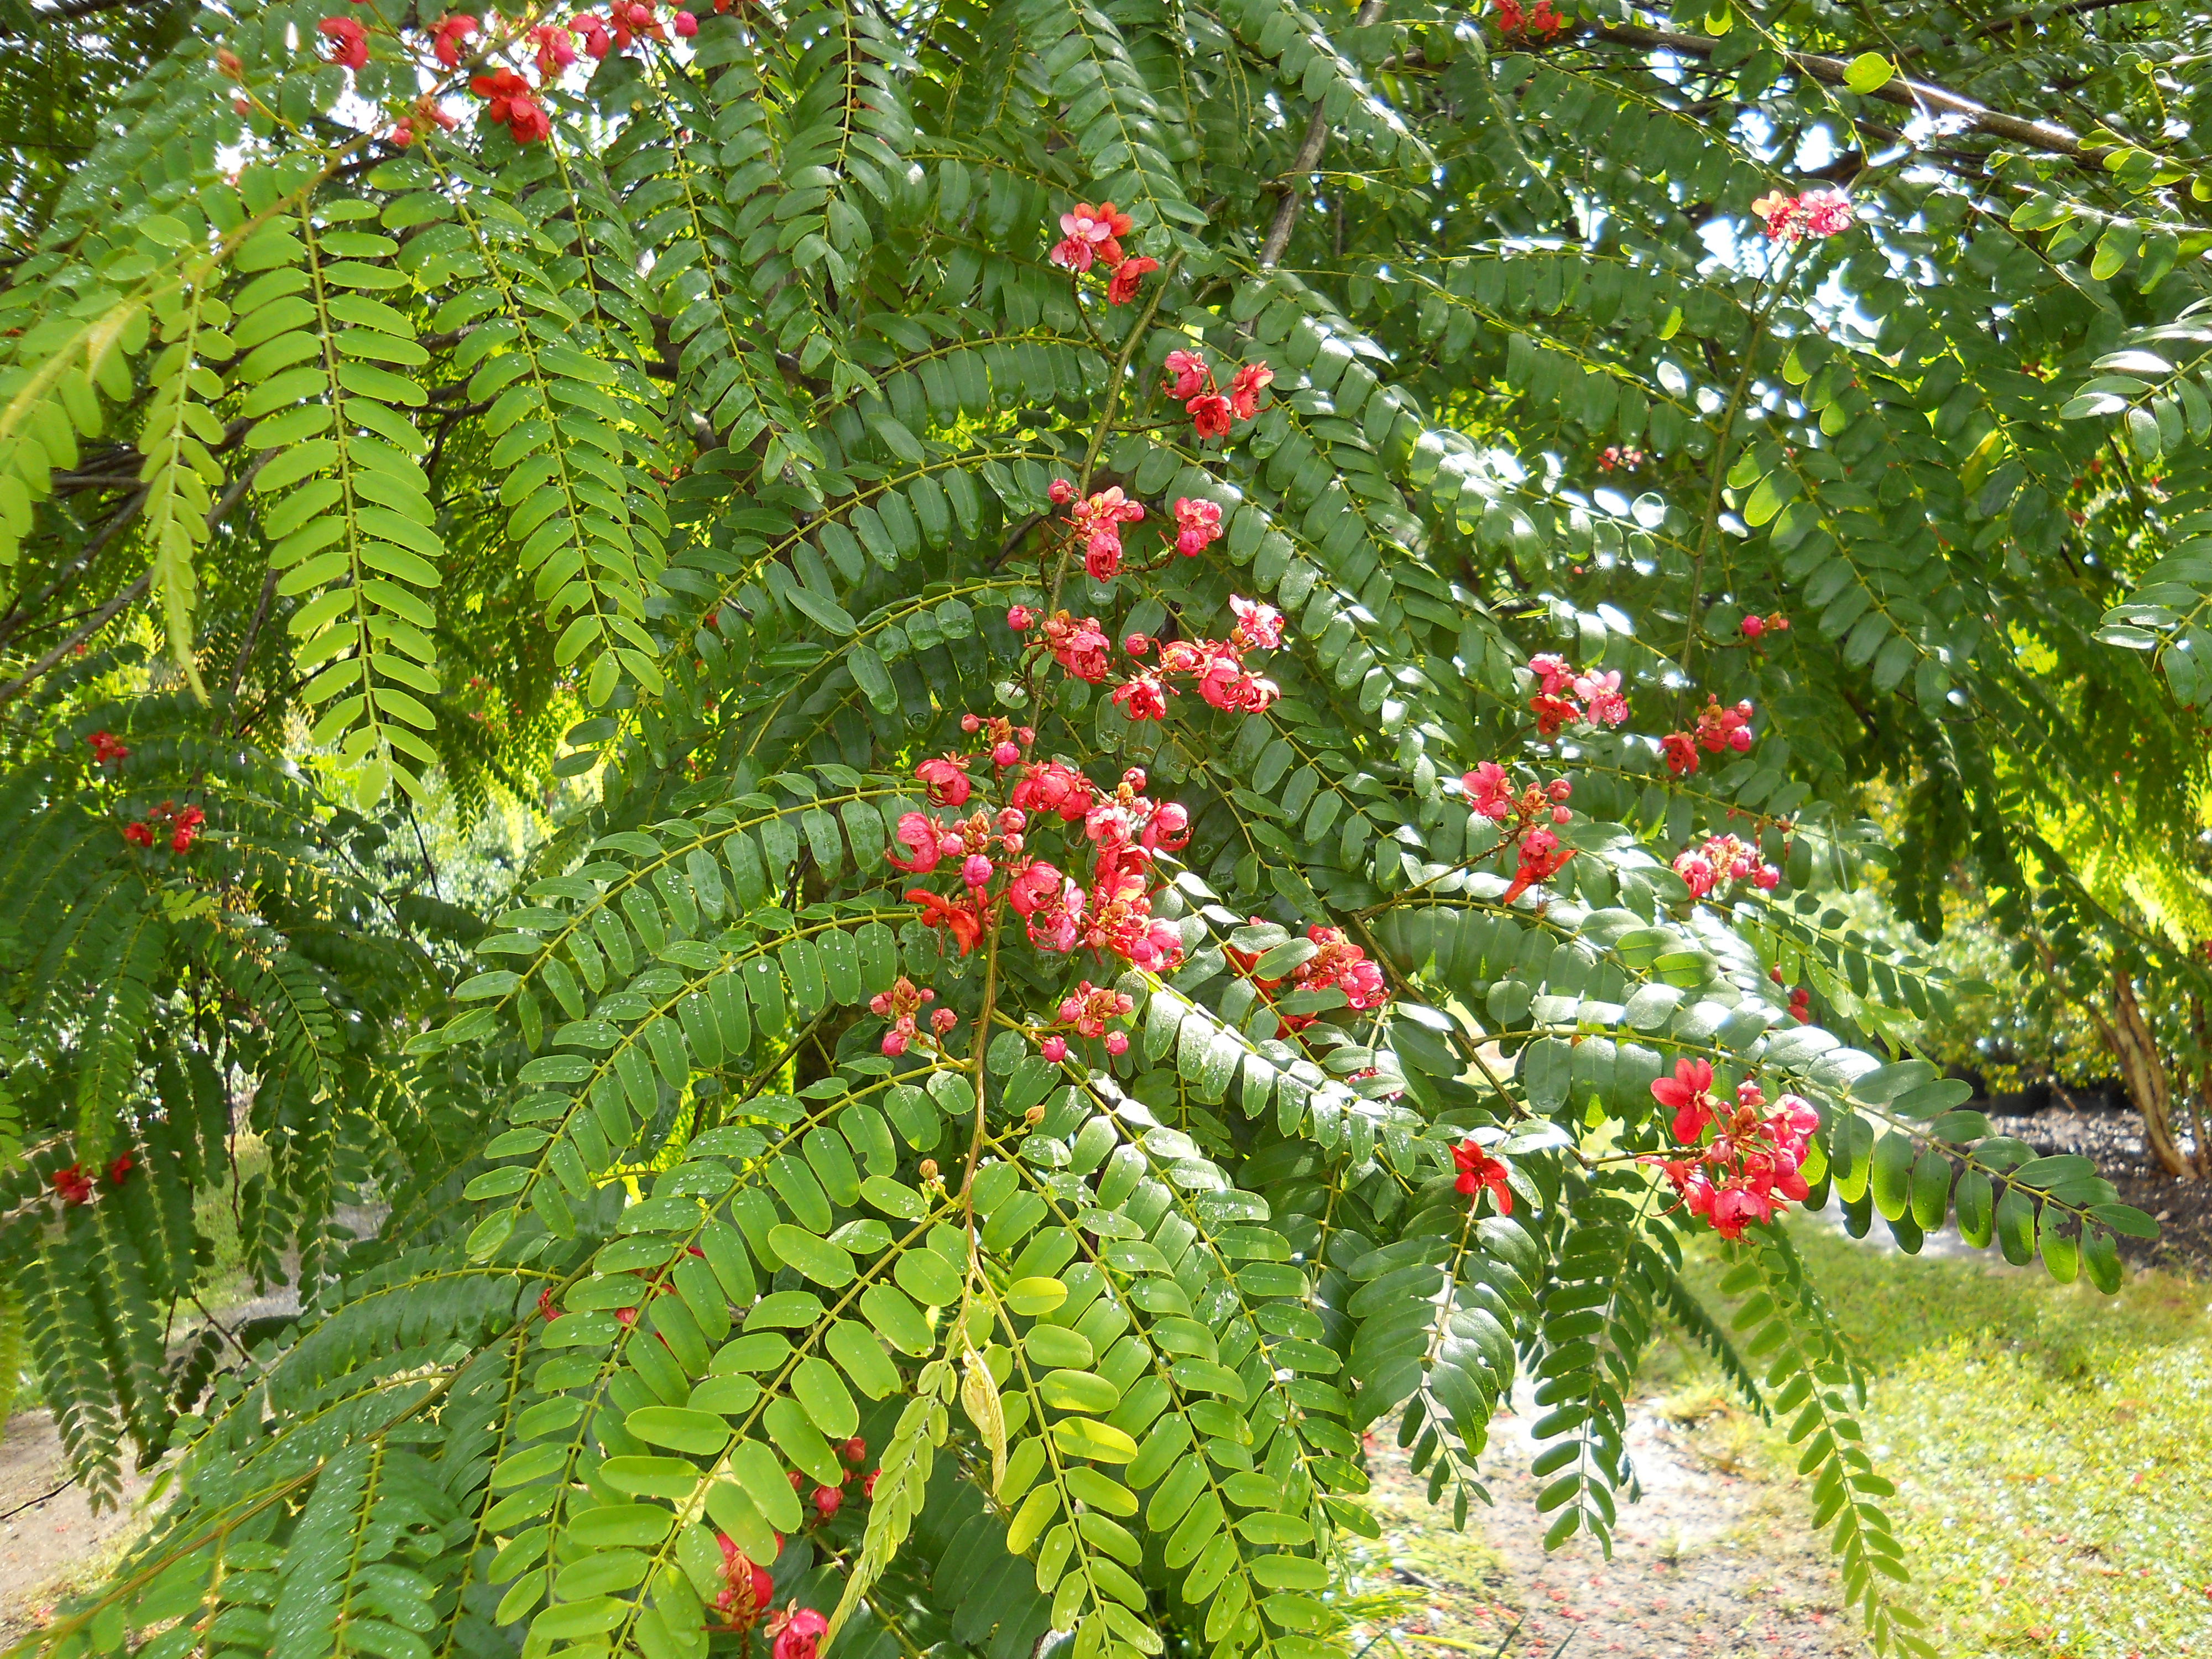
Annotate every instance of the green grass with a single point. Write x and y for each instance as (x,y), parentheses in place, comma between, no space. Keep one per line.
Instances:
(2052,1449)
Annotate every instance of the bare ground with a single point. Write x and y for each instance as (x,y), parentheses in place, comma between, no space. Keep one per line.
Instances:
(1714,1563)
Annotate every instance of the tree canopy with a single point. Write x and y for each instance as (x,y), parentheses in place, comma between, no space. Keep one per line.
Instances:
(1201,682)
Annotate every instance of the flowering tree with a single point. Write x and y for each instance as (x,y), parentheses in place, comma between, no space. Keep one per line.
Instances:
(1227,657)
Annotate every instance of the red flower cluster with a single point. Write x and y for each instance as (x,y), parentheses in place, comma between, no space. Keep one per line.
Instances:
(1614,456)
(1755,626)
(1542,21)
(1753,1162)
(107,750)
(902,1003)
(1717,728)
(428,112)
(1191,383)
(1722,859)
(1098,521)
(446,35)
(75,1186)
(1479,1172)
(1085,1011)
(1198,525)
(1091,237)
(1817,214)
(165,820)
(746,1587)
(1565,697)
(1339,964)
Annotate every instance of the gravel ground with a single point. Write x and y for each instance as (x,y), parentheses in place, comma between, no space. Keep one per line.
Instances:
(1713,1563)
(2183,1209)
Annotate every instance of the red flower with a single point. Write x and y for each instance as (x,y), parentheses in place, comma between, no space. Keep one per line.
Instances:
(1259,625)
(1091,233)
(446,35)
(1542,858)
(545,1308)
(1690,1093)
(1144,698)
(106,749)
(138,835)
(556,48)
(797,1632)
(1244,389)
(1209,415)
(746,1588)
(1479,1172)
(348,41)
(947,778)
(594,30)
(188,823)
(827,1501)
(854,1451)
(1122,287)
(958,917)
(1187,375)
(868,1485)
(1680,752)
(918,833)
(72,1184)
(119,1170)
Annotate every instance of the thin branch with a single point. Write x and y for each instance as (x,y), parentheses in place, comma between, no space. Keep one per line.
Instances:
(20,616)
(1308,158)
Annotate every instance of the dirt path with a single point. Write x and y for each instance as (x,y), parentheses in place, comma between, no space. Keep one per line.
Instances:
(52,1545)
(1714,1563)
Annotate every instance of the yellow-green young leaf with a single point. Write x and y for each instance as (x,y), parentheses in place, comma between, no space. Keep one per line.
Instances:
(979,1398)
(1869,72)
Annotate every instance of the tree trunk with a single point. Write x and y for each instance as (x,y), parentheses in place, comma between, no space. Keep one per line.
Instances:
(2202,1100)
(2143,1072)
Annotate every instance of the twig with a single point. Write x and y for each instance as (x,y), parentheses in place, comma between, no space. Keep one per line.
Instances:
(42,1497)
(1308,157)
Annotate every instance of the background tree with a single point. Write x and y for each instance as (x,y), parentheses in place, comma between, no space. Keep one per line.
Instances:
(1230,658)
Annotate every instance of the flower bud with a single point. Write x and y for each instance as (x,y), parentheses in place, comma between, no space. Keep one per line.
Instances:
(826,1501)
(1053,1049)
(1033,1115)
(928,1169)
(1117,1043)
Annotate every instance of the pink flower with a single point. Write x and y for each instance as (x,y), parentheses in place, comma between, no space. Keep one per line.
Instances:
(1006,754)
(1602,693)
(1754,626)
(1245,388)
(446,35)
(1187,375)
(1137,644)
(1053,786)
(976,870)
(1060,492)
(1259,625)
(1020,618)
(1122,287)
(946,776)
(348,41)
(895,1042)
(1209,416)
(917,832)
(1053,1049)
(1143,698)
(1091,233)
(556,48)
(1102,554)
(1198,524)
(686,26)
(1117,1043)
(593,29)
(1489,792)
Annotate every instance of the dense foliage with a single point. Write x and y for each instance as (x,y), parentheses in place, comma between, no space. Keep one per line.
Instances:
(1226,662)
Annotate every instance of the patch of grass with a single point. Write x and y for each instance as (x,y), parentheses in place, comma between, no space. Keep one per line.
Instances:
(2052,1447)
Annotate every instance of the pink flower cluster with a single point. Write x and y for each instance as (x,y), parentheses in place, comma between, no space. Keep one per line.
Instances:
(1212,412)
(1092,236)
(1565,697)
(902,1005)
(1751,1166)
(1338,964)
(1216,666)
(1096,522)
(1614,456)
(1817,214)
(1717,728)
(1490,794)
(1721,860)
(1120,831)
(1086,1010)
